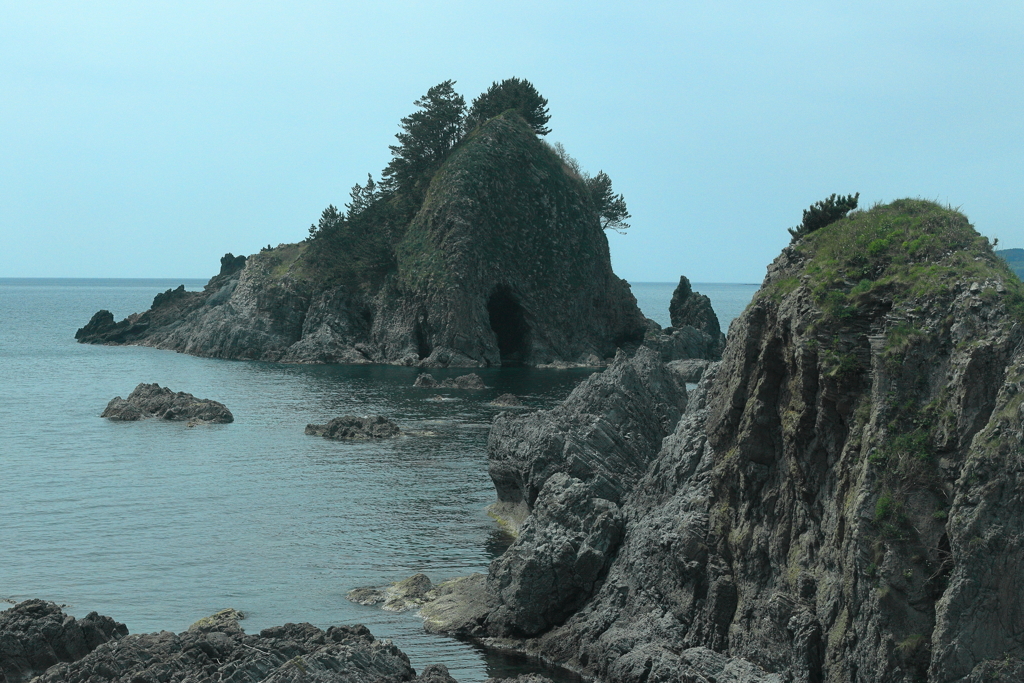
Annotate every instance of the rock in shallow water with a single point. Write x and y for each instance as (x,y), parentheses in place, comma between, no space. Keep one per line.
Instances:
(152,400)
(352,427)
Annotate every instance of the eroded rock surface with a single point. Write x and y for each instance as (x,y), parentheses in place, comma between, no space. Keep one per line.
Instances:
(605,434)
(152,400)
(292,653)
(840,501)
(355,427)
(35,635)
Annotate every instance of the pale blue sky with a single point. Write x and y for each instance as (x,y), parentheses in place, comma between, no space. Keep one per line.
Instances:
(146,139)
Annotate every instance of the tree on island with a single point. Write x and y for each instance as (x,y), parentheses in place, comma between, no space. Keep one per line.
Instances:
(610,207)
(427,136)
(511,93)
(823,213)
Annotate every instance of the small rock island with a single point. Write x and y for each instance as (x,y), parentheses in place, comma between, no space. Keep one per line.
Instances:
(485,248)
(152,400)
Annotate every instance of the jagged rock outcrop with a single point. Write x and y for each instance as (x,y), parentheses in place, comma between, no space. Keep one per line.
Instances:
(292,653)
(35,635)
(152,400)
(840,501)
(605,434)
(688,307)
(695,332)
(354,427)
(504,262)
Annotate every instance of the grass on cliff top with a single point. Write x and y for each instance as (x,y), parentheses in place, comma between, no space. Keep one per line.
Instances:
(911,247)
(285,260)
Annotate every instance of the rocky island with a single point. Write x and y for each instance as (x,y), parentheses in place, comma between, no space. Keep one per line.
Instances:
(483,246)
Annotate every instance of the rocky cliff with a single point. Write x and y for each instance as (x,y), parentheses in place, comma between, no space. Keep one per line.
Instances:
(841,499)
(505,261)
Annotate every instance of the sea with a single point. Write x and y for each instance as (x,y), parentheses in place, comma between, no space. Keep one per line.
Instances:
(157,524)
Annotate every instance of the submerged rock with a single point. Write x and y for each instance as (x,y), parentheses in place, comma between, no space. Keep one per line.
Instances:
(35,635)
(470,381)
(508,400)
(152,400)
(353,427)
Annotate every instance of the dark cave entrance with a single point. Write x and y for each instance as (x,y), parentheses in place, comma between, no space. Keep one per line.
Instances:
(508,320)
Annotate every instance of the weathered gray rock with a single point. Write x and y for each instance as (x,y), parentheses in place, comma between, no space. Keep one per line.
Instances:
(504,262)
(398,597)
(458,606)
(605,434)
(841,500)
(355,427)
(35,635)
(152,400)
(690,370)
(225,620)
(564,548)
(507,400)
(292,653)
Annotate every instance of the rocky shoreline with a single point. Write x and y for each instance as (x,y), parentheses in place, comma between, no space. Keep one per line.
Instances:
(838,500)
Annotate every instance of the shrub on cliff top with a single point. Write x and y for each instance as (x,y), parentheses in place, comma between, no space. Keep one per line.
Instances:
(823,213)
(911,247)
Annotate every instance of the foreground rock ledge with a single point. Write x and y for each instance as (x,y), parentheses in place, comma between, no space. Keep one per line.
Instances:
(152,400)
(37,638)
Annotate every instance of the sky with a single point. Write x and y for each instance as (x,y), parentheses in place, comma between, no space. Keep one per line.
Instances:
(147,139)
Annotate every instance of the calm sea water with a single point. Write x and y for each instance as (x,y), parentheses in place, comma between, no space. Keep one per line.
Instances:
(158,525)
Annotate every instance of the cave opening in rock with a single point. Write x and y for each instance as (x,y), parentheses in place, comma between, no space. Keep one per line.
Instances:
(508,320)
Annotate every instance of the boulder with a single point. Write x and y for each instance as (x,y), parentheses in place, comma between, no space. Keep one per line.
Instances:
(353,427)
(152,400)
(689,370)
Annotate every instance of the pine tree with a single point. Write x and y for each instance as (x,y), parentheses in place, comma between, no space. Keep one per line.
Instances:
(511,93)
(427,136)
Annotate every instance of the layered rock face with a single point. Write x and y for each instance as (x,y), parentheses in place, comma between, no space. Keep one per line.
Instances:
(505,262)
(840,501)
(605,433)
